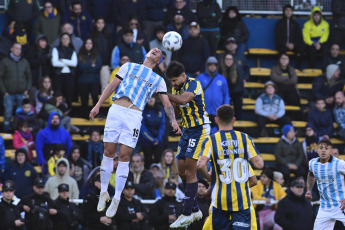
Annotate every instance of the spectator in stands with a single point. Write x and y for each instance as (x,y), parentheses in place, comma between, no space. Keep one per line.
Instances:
(315,35)
(10,217)
(285,78)
(27,113)
(22,173)
(326,85)
(23,138)
(80,19)
(141,177)
(101,9)
(335,152)
(80,168)
(178,24)
(2,158)
(159,32)
(235,77)
(102,38)
(48,137)
(135,51)
(96,220)
(180,5)
(194,52)
(166,210)
(134,24)
(89,66)
(294,211)
(322,119)
(39,208)
(334,57)
(62,176)
(48,22)
(216,90)
(339,112)
(288,35)
(59,151)
(209,15)
(93,149)
(168,164)
(278,177)
(76,41)
(154,16)
(44,93)
(174,178)
(158,187)
(338,16)
(15,81)
(39,57)
(131,214)
(309,144)
(122,10)
(152,132)
(268,190)
(232,25)
(160,69)
(269,107)
(203,203)
(289,154)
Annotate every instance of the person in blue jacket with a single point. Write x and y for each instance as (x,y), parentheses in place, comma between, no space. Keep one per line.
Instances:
(152,132)
(2,158)
(48,137)
(216,89)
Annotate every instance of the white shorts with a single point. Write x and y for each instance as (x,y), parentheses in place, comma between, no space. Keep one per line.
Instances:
(122,125)
(325,219)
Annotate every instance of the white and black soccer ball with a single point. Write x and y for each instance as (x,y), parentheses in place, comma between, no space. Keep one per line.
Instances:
(172,41)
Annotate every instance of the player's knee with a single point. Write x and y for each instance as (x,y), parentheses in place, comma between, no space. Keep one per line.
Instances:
(108,153)
(190,173)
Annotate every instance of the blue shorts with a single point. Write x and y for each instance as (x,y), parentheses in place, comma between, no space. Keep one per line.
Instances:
(225,220)
(191,141)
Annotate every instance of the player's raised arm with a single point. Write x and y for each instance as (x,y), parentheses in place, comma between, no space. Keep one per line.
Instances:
(181,99)
(310,183)
(169,110)
(206,152)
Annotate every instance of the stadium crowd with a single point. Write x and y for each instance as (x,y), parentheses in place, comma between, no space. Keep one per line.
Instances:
(62,50)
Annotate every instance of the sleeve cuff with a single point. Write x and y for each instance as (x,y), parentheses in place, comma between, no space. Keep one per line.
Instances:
(119,77)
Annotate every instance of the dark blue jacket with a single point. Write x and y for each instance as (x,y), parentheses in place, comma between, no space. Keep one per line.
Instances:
(153,125)
(2,153)
(87,73)
(183,31)
(23,177)
(51,136)
(154,9)
(322,120)
(103,9)
(322,89)
(82,24)
(123,9)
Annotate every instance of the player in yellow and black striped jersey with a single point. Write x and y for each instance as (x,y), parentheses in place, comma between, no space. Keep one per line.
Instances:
(229,152)
(188,95)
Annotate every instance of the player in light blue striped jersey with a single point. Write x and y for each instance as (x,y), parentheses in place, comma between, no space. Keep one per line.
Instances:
(328,172)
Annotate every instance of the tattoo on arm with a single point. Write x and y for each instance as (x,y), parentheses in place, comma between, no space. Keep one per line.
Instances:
(170,112)
(310,181)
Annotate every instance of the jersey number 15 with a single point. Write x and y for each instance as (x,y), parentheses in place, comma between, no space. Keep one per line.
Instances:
(239,170)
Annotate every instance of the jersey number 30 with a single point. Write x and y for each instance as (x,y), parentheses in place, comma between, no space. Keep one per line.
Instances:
(239,170)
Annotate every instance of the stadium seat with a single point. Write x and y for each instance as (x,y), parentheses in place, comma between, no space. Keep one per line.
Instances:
(287,107)
(260,72)
(86,122)
(250,101)
(267,157)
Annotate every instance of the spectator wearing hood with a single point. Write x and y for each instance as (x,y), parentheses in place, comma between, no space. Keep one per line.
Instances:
(315,35)
(48,22)
(232,25)
(289,154)
(310,142)
(23,138)
(62,175)
(288,34)
(48,137)
(22,173)
(339,112)
(216,90)
(322,119)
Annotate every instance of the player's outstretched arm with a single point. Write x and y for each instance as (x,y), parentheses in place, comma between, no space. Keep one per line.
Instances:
(105,95)
(257,162)
(169,110)
(310,183)
(181,99)
(202,167)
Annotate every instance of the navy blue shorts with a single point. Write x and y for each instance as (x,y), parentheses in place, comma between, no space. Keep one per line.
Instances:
(235,220)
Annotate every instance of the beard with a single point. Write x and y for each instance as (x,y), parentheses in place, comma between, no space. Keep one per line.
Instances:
(55,126)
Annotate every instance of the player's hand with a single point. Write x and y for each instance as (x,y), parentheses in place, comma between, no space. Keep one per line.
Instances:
(308,195)
(342,204)
(94,112)
(105,220)
(176,128)
(207,192)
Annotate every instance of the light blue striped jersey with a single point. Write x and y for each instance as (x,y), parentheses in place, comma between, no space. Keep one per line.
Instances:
(330,181)
(138,84)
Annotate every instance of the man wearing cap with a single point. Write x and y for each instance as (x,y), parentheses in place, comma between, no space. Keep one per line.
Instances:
(166,210)
(10,218)
(68,215)
(182,6)
(135,51)
(178,24)
(194,52)
(294,211)
(39,208)
(269,107)
(216,90)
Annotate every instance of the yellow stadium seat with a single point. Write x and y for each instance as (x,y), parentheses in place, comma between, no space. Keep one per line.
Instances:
(304,101)
(259,51)
(342,52)
(260,72)
(86,122)
(257,172)
(38,169)
(248,101)
(267,157)
(253,85)
(9,153)
(287,107)
(342,157)
(304,86)
(7,136)
(245,124)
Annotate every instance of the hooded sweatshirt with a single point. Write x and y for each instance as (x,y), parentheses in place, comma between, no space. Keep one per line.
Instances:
(315,33)
(217,93)
(53,182)
(50,135)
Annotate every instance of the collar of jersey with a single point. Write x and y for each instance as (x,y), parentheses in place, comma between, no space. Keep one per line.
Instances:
(329,160)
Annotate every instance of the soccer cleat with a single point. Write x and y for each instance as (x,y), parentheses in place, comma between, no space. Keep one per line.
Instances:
(197,215)
(111,211)
(182,221)
(103,198)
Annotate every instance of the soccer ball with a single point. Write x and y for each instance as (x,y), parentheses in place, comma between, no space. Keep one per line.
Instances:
(172,41)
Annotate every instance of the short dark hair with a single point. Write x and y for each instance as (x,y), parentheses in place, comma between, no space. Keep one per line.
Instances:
(59,147)
(15,43)
(225,114)
(26,101)
(326,142)
(174,69)
(76,2)
(268,172)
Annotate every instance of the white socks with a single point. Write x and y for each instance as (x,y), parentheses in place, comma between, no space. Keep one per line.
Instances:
(121,178)
(106,170)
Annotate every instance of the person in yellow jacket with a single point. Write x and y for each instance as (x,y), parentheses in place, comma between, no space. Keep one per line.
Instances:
(59,152)
(315,35)
(268,190)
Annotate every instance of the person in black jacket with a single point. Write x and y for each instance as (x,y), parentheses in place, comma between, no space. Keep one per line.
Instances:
(334,57)
(10,218)
(131,214)
(166,210)
(338,28)
(288,34)
(180,5)
(294,211)
(39,208)
(68,215)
